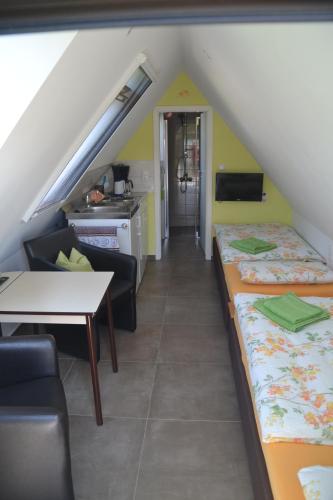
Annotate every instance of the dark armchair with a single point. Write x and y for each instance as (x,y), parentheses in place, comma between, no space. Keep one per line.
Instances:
(34,432)
(42,253)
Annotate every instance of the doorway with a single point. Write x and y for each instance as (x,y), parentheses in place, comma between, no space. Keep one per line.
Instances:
(183,176)
(180,176)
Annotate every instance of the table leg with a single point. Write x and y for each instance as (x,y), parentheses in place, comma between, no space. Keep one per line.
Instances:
(113,347)
(93,369)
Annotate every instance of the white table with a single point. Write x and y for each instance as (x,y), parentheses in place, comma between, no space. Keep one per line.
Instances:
(63,297)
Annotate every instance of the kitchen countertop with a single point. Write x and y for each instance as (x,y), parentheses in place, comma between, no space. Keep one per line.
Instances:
(108,209)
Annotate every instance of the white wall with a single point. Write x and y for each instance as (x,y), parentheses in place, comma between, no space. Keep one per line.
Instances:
(273,85)
(315,237)
(25,63)
(65,108)
(16,261)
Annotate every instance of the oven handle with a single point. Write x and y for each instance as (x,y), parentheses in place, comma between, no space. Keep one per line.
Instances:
(123,226)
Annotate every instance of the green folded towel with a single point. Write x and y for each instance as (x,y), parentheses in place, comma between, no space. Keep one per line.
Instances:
(290,312)
(252,245)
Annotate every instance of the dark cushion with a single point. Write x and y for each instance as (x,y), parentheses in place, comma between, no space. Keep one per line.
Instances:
(42,392)
(119,287)
(42,253)
(27,357)
(49,245)
(34,438)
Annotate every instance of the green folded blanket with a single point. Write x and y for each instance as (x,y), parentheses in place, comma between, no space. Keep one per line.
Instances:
(252,245)
(290,312)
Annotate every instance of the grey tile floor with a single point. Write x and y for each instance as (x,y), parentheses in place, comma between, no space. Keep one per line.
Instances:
(171,421)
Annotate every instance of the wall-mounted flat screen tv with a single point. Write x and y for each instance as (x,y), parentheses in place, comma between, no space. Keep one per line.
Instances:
(239,187)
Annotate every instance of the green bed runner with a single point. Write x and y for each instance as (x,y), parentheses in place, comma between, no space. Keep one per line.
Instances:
(252,245)
(290,312)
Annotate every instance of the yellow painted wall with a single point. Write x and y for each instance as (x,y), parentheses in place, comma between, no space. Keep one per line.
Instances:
(227,150)
(141,144)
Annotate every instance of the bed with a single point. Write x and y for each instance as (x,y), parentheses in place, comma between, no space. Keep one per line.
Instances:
(235,285)
(274,465)
(290,246)
(277,456)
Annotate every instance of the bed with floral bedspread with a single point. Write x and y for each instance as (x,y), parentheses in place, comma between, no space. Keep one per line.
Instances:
(291,374)
(290,246)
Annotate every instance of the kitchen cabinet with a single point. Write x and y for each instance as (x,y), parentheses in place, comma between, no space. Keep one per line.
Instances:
(142,232)
(132,232)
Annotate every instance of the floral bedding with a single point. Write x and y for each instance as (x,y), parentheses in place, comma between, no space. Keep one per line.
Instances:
(290,246)
(317,482)
(291,374)
(286,271)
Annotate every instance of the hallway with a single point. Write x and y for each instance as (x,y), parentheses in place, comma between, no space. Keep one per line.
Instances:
(171,428)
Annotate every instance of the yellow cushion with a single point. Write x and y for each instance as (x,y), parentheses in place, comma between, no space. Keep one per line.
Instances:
(76,261)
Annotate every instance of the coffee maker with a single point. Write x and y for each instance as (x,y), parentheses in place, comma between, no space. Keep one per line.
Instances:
(122,184)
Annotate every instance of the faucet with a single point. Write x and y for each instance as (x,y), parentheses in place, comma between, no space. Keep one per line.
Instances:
(87,199)
(93,197)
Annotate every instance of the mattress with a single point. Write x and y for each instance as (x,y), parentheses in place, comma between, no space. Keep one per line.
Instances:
(291,373)
(283,460)
(235,285)
(290,246)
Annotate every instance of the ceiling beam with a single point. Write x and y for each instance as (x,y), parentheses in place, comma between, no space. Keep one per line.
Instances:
(19,16)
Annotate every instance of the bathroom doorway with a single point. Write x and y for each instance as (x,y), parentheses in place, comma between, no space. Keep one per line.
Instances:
(183,183)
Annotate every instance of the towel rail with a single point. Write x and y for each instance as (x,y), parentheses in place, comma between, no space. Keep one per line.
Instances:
(122,226)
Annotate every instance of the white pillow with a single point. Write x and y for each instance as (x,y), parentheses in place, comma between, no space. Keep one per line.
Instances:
(286,271)
(317,482)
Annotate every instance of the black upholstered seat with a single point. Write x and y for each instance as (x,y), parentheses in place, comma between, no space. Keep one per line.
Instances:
(34,431)
(46,391)
(42,253)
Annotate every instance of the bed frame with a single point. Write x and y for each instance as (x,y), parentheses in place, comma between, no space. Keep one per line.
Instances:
(257,465)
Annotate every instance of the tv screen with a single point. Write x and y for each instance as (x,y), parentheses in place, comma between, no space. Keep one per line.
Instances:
(239,187)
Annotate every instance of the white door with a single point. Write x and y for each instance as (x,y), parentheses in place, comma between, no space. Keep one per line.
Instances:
(164,177)
(202,204)
(144,231)
(135,248)
(141,223)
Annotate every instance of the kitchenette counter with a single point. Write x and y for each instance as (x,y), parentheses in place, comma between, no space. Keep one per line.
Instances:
(113,207)
(116,223)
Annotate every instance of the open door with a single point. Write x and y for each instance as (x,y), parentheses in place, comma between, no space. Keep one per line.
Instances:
(164,177)
(203,187)
(161,178)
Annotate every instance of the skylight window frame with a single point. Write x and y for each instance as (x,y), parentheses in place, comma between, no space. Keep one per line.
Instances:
(142,62)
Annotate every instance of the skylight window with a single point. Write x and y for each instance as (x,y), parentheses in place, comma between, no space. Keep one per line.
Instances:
(96,139)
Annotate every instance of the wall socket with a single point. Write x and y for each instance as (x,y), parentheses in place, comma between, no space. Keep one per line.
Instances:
(221,166)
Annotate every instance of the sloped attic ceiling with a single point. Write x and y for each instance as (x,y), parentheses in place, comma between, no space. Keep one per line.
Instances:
(271,82)
(273,85)
(65,108)
(25,64)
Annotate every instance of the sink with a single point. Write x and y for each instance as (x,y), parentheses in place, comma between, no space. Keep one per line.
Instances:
(127,201)
(104,209)
(118,203)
